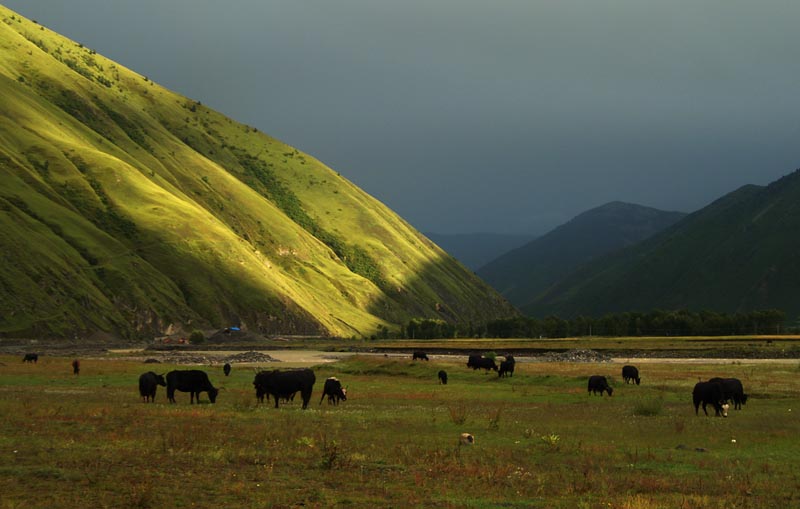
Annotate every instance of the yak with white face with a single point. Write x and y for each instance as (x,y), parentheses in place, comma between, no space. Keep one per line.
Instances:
(334,390)
(732,391)
(706,393)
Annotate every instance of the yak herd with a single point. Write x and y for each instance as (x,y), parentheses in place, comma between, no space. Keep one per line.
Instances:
(717,392)
(280,384)
(720,393)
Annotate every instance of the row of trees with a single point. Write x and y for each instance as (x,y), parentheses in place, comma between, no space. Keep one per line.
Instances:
(425,328)
(653,323)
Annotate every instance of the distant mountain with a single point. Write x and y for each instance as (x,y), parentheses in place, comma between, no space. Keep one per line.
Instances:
(740,253)
(475,250)
(128,209)
(524,273)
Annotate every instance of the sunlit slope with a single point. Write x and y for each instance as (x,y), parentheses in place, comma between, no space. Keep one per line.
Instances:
(130,209)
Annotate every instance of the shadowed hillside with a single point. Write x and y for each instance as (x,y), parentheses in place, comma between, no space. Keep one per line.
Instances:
(127,208)
(524,273)
(738,254)
(475,250)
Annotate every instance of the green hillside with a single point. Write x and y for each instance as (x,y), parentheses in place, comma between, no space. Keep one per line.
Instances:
(740,253)
(129,209)
(523,274)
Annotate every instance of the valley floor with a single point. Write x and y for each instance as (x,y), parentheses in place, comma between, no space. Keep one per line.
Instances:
(540,440)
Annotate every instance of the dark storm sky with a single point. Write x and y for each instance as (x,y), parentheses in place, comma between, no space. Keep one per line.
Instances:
(475,116)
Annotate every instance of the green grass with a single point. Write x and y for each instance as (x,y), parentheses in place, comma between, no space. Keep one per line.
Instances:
(541,439)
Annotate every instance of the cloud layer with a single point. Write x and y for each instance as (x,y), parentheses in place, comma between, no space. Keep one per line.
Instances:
(466,116)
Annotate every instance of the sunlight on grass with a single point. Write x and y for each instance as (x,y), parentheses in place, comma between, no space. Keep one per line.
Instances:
(396,440)
(146,188)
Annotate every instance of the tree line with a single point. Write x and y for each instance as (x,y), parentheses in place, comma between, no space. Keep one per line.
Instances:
(654,323)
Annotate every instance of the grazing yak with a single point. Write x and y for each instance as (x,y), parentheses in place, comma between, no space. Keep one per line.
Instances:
(419,355)
(478,361)
(631,375)
(442,377)
(334,390)
(262,394)
(76,367)
(283,384)
(192,381)
(260,383)
(507,366)
(226,369)
(30,357)
(710,393)
(732,391)
(599,384)
(148,384)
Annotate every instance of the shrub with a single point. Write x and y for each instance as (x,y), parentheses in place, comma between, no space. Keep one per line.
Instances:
(648,407)
(551,441)
(197,337)
(330,454)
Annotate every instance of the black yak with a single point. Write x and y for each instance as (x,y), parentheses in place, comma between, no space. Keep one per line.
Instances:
(507,367)
(192,381)
(709,393)
(478,361)
(599,384)
(334,390)
(283,384)
(732,391)
(148,384)
(631,375)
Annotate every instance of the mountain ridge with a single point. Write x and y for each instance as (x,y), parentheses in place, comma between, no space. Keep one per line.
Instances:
(737,254)
(522,274)
(134,209)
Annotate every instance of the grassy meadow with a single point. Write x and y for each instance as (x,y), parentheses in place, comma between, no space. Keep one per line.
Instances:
(540,439)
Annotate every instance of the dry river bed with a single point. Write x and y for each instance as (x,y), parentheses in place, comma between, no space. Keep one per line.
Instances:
(301,358)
